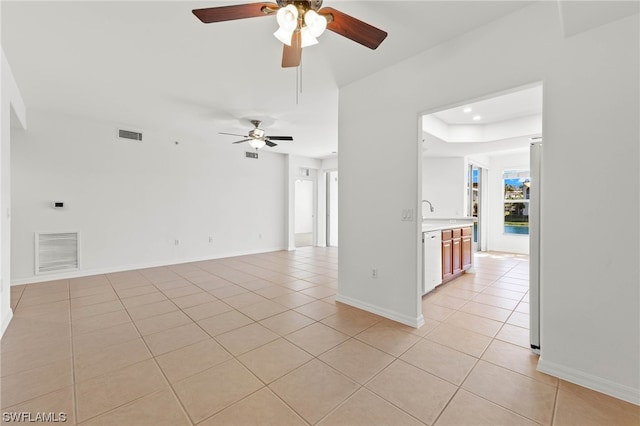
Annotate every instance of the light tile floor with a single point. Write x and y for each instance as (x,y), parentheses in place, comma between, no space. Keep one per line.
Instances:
(260,340)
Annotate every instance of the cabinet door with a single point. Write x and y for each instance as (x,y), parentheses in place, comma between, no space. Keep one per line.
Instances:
(466,252)
(447,266)
(456,255)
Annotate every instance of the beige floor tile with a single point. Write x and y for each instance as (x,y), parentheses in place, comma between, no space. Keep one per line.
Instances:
(152,309)
(286,322)
(459,293)
(214,389)
(244,299)
(186,290)
(505,293)
(262,310)
(20,387)
(516,335)
(274,360)
(475,323)
(523,307)
(352,321)
(468,409)
(460,339)
(298,285)
(192,359)
(114,357)
(228,291)
(123,293)
(486,311)
(313,390)
(441,361)
(499,302)
(317,338)
(246,338)
(61,307)
(175,282)
(223,323)
(38,298)
(162,322)
(175,338)
(519,319)
(293,300)
(518,359)
(160,408)
(317,310)
(19,360)
(516,392)
(262,408)
(103,393)
(106,295)
(207,310)
(413,390)
(99,322)
(388,338)
(97,309)
(435,312)
(143,299)
(59,402)
(357,360)
(365,408)
(254,285)
(273,291)
(581,406)
(319,292)
(98,340)
(447,301)
(194,300)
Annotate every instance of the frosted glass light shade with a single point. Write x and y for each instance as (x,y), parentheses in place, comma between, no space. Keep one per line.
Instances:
(284,35)
(306,39)
(288,17)
(315,23)
(257,143)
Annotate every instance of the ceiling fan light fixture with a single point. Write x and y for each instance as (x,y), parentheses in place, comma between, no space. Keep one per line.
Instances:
(284,35)
(257,143)
(315,22)
(288,17)
(307,39)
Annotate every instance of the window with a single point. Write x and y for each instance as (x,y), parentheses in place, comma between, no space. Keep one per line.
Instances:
(517,186)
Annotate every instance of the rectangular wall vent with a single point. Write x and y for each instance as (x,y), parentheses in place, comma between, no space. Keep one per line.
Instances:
(251,155)
(57,251)
(129,134)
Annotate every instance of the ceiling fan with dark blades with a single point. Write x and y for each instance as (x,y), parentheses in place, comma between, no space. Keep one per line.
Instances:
(256,137)
(301,22)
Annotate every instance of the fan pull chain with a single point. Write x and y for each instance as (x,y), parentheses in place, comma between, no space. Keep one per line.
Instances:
(298,82)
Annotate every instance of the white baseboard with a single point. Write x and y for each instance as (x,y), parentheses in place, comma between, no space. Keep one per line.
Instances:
(590,381)
(108,270)
(5,321)
(392,315)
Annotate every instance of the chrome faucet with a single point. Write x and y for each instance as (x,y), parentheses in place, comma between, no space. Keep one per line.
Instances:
(430,206)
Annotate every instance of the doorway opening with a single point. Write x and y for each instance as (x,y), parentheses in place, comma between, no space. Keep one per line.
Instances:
(332,209)
(304,217)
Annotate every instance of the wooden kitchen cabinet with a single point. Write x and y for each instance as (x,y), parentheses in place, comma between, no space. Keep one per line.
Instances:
(456,252)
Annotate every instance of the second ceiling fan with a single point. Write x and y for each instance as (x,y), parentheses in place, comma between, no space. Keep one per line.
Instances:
(301,21)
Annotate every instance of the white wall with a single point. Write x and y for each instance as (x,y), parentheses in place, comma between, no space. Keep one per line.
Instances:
(304,206)
(590,288)
(130,200)
(293,165)
(443,184)
(497,240)
(12,114)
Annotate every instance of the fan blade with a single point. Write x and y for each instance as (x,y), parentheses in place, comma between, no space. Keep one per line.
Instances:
(244,140)
(270,144)
(240,11)
(292,55)
(354,29)
(280,138)
(232,134)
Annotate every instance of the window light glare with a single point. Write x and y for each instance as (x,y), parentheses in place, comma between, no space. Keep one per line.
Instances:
(477,117)
(467,110)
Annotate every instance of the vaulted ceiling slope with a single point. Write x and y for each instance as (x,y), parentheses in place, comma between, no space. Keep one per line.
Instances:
(153,65)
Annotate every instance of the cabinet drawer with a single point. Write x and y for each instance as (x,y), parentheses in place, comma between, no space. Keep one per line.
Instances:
(466,231)
(446,235)
(456,233)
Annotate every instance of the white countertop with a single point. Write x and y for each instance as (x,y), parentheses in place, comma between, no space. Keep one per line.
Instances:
(437,224)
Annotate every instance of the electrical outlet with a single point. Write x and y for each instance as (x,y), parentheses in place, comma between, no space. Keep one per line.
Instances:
(259,236)
(374,273)
(210,239)
(176,242)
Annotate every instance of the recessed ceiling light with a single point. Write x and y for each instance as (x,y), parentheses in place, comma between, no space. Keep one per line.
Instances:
(477,117)
(467,110)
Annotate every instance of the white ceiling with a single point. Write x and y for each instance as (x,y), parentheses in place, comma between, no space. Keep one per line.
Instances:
(152,64)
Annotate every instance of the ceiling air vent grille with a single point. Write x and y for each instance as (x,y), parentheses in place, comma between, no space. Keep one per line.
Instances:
(56,251)
(129,134)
